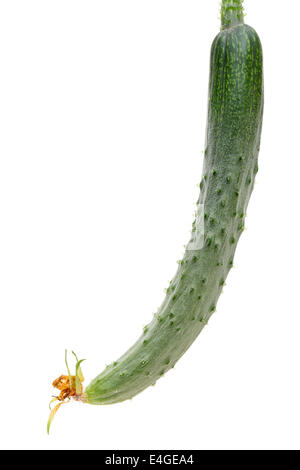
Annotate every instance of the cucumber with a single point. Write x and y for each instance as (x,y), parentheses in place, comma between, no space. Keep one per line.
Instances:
(230,164)
(235,110)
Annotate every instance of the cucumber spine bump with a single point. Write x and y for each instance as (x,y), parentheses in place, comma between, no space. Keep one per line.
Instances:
(235,109)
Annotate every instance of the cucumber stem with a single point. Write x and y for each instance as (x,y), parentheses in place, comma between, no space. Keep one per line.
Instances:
(232,13)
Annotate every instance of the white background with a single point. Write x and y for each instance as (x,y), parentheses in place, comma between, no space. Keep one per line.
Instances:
(102,124)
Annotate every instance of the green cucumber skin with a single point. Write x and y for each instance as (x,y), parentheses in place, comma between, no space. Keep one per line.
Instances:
(234,123)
